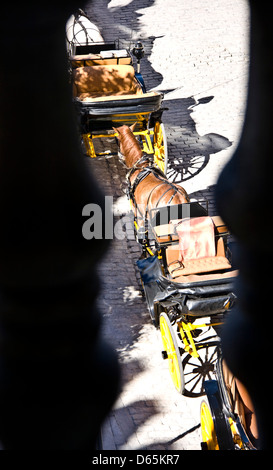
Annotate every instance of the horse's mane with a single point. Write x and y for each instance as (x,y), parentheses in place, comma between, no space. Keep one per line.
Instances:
(129,146)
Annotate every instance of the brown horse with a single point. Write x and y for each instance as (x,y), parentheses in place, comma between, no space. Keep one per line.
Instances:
(148,187)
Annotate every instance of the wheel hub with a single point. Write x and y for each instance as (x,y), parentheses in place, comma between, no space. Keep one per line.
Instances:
(204,369)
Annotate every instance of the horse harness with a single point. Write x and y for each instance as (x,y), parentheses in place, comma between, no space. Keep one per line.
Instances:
(131,188)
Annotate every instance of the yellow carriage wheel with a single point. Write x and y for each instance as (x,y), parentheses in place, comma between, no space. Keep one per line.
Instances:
(209,438)
(160,147)
(171,352)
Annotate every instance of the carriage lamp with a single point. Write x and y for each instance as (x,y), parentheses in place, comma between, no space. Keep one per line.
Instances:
(138,52)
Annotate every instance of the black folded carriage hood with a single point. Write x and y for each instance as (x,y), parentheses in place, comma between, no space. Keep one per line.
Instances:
(198,299)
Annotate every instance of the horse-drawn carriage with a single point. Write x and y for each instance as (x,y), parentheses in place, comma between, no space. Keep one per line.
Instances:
(108,92)
(186,267)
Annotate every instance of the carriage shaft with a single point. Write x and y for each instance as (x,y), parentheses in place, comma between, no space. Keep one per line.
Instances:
(185,330)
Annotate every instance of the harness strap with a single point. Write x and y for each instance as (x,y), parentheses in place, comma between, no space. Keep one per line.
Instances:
(141,176)
(145,158)
(176,190)
(165,192)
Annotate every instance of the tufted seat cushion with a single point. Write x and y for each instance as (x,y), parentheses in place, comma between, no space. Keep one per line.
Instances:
(201,265)
(177,268)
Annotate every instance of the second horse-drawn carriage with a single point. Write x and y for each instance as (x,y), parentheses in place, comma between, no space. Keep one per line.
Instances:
(228,420)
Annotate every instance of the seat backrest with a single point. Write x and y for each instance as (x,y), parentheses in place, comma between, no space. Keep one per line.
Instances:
(105,79)
(164,214)
(82,61)
(196,238)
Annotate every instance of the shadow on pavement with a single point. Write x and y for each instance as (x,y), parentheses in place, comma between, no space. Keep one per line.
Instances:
(188,151)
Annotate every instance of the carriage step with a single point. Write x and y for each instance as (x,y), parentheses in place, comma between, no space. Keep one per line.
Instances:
(164,354)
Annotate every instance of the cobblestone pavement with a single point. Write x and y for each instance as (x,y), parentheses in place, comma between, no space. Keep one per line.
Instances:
(197,54)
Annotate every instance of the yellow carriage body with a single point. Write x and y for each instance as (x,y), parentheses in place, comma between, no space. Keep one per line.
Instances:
(108,93)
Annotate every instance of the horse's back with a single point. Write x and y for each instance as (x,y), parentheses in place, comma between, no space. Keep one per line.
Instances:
(154,192)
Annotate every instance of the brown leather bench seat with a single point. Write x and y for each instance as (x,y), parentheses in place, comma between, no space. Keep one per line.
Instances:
(105,81)
(193,266)
(166,232)
(191,278)
(211,266)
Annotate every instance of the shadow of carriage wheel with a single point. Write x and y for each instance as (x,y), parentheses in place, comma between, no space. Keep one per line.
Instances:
(192,161)
(185,169)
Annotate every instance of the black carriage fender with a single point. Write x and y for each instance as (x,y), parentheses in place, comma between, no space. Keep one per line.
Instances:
(210,305)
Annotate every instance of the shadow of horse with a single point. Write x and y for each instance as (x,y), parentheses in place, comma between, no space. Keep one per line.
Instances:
(188,151)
